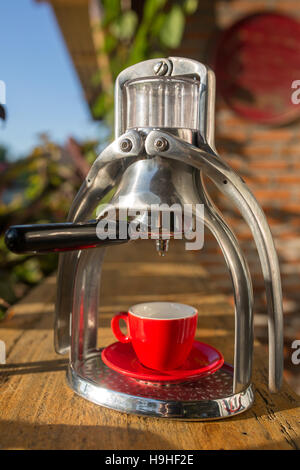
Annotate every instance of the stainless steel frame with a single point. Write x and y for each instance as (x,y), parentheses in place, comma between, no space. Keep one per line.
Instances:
(133,164)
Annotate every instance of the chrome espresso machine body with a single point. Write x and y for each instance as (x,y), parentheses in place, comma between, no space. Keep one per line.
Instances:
(164,143)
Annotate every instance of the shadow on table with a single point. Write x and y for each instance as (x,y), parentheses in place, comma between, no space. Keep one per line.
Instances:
(23,435)
(266,403)
(22,368)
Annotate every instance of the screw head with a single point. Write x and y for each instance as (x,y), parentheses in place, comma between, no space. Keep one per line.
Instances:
(160,68)
(161,144)
(126,145)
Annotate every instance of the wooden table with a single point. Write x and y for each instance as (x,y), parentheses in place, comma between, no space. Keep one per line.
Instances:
(39,411)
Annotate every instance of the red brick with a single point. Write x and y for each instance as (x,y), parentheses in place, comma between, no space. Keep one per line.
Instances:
(261,151)
(196,35)
(233,121)
(292,6)
(292,287)
(250,5)
(287,235)
(235,164)
(292,207)
(295,221)
(269,164)
(294,261)
(290,150)
(291,179)
(273,221)
(244,235)
(255,179)
(193,20)
(272,135)
(234,134)
(190,52)
(221,105)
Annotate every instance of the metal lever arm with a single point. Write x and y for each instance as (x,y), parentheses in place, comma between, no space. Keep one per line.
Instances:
(104,173)
(228,182)
(102,177)
(48,238)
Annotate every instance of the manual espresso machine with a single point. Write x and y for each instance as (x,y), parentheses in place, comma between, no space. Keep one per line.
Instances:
(164,143)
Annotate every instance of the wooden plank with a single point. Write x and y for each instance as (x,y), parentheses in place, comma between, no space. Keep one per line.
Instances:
(39,411)
(73,18)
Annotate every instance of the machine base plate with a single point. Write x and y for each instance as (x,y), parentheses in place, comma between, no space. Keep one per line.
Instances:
(208,398)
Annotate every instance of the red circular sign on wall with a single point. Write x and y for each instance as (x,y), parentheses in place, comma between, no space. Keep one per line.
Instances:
(256,61)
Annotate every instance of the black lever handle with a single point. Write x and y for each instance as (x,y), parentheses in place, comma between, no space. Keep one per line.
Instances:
(45,238)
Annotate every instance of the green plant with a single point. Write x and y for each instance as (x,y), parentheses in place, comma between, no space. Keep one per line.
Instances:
(128,39)
(36,189)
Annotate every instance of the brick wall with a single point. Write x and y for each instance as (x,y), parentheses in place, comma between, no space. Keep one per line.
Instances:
(269,160)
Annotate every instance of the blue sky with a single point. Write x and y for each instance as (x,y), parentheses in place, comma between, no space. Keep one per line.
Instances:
(43,93)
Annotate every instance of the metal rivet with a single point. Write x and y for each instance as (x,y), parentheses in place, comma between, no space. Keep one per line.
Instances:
(126,145)
(161,144)
(160,68)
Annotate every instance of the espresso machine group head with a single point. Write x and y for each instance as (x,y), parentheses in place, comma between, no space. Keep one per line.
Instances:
(164,144)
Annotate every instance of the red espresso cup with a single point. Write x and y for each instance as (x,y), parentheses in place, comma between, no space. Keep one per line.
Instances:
(161,333)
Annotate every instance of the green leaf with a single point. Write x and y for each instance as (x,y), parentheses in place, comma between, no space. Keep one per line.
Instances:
(110,43)
(29,271)
(90,156)
(124,26)
(190,6)
(96,78)
(151,7)
(173,27)
(158,24)
(156,55)
(139,48)
(100,105)
(2,312)
(112,9)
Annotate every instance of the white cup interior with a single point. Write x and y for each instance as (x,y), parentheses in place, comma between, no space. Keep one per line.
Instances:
(162,310)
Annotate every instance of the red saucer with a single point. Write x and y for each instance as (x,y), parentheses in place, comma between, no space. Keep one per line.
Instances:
(202,360)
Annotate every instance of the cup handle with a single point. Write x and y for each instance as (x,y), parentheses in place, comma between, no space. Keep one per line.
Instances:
(116,327)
